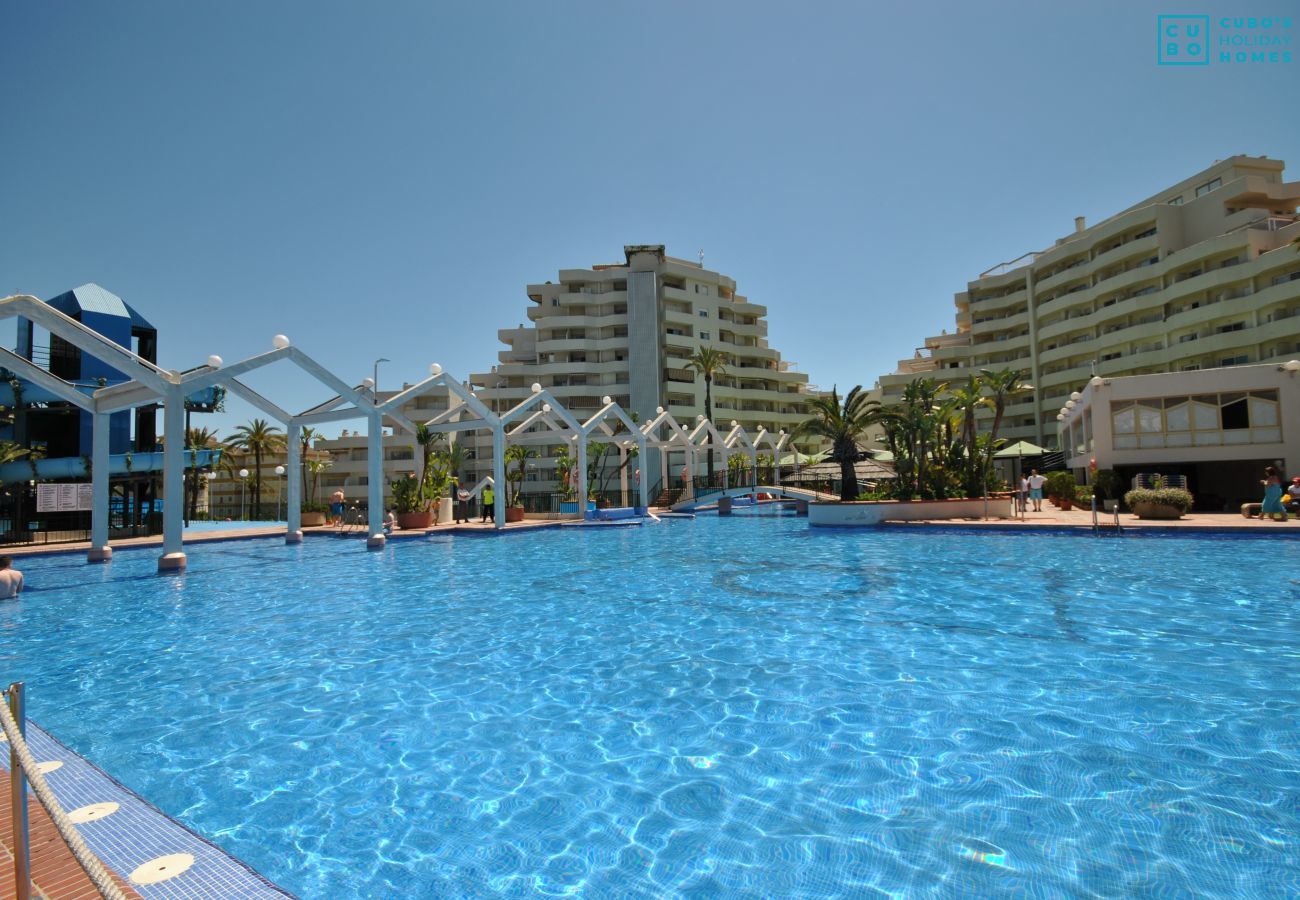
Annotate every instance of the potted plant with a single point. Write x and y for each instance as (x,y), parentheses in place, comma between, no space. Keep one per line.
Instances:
(1159,502)
(313,514)
(410,503)
(1060,489)
(1108,484)
(515,480)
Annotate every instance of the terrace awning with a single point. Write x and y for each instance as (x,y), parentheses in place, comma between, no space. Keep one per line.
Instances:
(866,470)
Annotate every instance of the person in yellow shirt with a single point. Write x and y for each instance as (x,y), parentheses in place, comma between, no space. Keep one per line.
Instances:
(489,504)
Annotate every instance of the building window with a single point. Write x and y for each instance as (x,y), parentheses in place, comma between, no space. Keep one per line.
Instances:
(1240,360)
(1209,186)
(1176,201)
(701,289)
(704,335)
(704,314)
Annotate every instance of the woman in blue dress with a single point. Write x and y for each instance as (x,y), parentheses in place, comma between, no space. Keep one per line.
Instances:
(1272,505)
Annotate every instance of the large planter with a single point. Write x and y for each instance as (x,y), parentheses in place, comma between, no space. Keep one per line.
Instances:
(514,513)
(1156,511)
(312,519)
(415,521)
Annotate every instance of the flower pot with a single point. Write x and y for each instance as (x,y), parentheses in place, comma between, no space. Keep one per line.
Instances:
(1157,511)
(414,521)
(311,519)
(514,513)
(1063,504)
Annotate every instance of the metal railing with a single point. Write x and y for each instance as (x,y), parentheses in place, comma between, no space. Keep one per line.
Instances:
(22,770)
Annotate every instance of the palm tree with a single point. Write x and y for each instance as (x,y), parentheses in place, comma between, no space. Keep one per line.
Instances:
(305,436)
(844,425)
(709,362)
(967,399)
(257,437)
(315,467)
(520,454)
(196,439)
(1002,386)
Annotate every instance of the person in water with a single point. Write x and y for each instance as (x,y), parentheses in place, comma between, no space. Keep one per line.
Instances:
(11,580)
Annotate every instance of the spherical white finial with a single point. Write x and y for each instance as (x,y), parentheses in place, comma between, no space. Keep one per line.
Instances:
(279,470)
(1060,418)
(782,431)
(215,362)
(700,417)
(1095,381)
(606,400)
(659,410)
(537,388)
(734,423)
(368,382)
(546,407)
(243,473)
(1076,396)
(435,369)
(279,342)
(1069,404)
(1064,410)
(1292,365)
(211,476)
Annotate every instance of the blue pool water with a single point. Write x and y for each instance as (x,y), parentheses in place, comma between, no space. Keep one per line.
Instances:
(723,707)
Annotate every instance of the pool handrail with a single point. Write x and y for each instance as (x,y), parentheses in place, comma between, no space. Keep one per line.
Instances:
(23,768)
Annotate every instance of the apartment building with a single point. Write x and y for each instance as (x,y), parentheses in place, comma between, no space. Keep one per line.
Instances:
(228,496)
(1200,275)
(626,330)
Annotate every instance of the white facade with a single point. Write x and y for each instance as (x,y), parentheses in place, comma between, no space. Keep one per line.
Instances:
(1219,427)
(1200,275)
(626,331)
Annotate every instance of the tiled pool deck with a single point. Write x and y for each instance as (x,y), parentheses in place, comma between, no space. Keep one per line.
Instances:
(150,854)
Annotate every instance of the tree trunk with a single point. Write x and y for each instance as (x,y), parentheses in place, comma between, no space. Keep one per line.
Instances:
(257,482)
(848,473)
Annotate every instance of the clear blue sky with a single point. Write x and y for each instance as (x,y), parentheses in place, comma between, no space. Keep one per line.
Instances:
(383,179)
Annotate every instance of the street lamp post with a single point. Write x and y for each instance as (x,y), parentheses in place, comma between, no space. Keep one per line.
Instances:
(243,493)
(279,497)
(375,386)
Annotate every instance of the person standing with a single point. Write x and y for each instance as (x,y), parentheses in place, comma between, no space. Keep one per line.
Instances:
(336,508)
(1272,505)
(462,505)
(1022,495)
(489,503)
(1035,484)
(11,580)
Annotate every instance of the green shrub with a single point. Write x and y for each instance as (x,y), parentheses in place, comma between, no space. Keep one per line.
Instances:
(1083,495)
(1060,484)
(315,507)
(1108,483)
(1175,497)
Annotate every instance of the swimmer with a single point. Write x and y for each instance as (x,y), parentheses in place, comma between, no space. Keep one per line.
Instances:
(11,580)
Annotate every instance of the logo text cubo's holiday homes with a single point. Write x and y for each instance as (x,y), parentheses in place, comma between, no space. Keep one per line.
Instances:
(1189,40)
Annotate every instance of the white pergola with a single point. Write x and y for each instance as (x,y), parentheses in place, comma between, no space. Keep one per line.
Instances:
(538,419)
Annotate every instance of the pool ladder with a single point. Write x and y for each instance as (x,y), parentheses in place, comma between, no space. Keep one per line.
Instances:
(1098,526)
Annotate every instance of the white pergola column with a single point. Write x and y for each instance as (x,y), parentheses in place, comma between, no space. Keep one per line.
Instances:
(173,558)
(753,473)
(375,480)
(293,515)
(663,466)
(582,477)
(499,475)
(99,551)
(643,488)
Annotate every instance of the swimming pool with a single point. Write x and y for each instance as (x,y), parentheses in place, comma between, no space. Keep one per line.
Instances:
(720,706)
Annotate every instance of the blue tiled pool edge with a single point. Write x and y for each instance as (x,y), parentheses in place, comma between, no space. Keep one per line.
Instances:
(139,831)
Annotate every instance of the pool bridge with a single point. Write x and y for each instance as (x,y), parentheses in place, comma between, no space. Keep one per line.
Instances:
(712,496)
